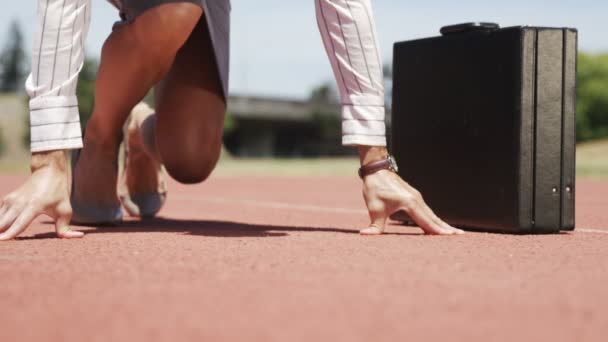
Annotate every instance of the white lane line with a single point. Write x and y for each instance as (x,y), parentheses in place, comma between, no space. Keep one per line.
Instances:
(594,231)
(302,207)
(271,205)
(18,257)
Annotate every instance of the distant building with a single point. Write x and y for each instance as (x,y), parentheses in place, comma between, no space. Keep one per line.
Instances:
(276,127)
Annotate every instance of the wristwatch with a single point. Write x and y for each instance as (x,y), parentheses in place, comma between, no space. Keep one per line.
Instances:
(389,163)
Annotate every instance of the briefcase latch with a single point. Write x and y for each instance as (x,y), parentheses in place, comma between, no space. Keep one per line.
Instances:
(469,27)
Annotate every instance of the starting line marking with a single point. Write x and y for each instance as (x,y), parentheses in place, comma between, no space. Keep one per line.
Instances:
(304,207)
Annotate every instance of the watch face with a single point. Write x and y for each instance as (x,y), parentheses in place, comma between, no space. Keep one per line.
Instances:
(393,163)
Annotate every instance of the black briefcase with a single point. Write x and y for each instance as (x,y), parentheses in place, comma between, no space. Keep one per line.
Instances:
(483,125)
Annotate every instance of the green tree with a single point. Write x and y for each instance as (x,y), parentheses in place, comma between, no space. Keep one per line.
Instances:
(328,123)
(2,143)
(85,91)
(324,94)
(592,97)
(12,61)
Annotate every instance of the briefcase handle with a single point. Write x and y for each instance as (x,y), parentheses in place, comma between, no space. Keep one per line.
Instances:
(469,27)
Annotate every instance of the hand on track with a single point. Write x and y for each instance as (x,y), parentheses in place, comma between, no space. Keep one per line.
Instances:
(45,192)
(386,193)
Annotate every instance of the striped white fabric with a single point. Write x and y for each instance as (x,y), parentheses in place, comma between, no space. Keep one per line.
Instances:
(349,35)
(347,28)
(57,58)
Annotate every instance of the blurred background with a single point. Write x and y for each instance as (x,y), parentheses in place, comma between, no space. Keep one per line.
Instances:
(284,107)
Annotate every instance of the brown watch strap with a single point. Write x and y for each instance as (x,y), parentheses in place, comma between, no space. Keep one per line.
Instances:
(387,163)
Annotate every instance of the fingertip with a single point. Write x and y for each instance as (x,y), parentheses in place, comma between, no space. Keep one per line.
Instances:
(456,231)
(371,231)
(72,235)
(452,230)
(67,233)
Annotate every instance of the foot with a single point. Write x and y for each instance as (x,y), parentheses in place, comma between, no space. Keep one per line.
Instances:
(143,190)
(95,171)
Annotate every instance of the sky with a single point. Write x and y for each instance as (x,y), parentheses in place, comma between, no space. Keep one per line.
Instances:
(277,50)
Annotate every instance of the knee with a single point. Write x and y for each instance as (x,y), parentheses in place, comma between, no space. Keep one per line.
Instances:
(192,169)
(190,145)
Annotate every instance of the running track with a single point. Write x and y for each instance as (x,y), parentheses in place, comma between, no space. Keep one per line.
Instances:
(264,259)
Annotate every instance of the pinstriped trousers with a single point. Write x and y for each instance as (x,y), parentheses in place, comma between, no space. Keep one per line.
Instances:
(347,28)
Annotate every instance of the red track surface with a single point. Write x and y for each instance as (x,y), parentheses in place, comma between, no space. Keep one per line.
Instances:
(280,260)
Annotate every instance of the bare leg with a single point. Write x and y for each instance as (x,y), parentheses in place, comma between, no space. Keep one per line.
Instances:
(185,133)
(134,58)
(191,108)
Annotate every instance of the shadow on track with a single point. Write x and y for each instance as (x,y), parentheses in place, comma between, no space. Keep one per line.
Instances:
(202,228)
